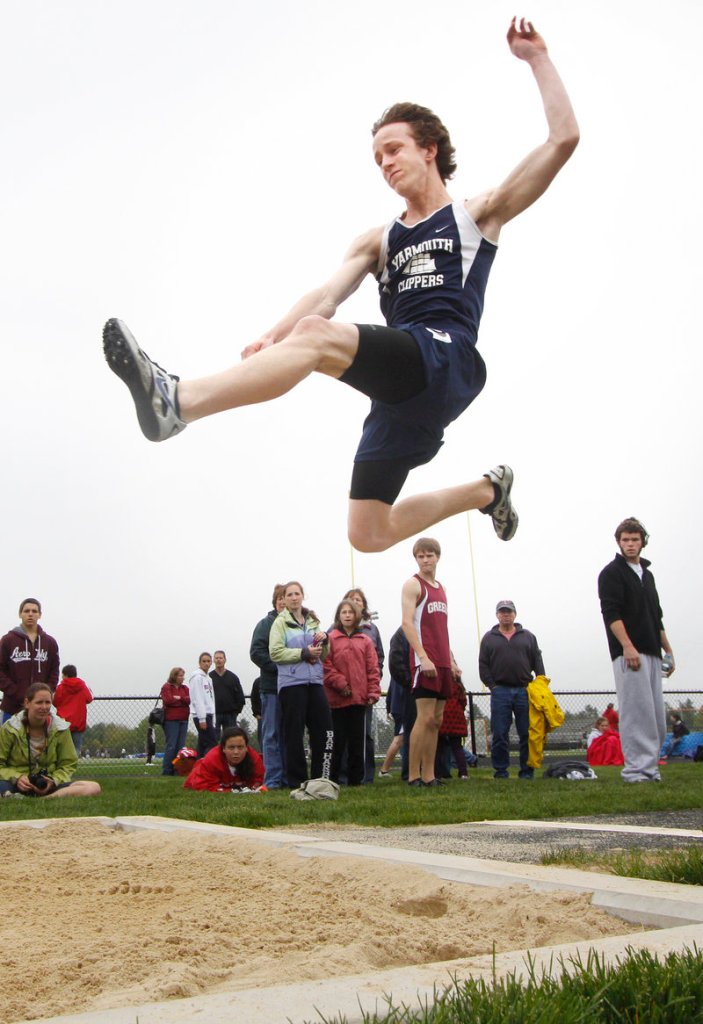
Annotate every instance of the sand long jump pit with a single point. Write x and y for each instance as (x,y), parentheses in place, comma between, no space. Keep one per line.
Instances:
(155,920)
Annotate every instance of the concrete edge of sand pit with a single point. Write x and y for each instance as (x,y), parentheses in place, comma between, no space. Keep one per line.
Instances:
(675,910)
(310,1001)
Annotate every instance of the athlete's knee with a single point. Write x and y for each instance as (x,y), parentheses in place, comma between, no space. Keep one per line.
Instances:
(366,544)
(313,325)
(309,330)
(332,345)
(368,525)
(368,540)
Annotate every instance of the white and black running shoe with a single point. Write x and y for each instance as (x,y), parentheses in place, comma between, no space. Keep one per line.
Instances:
(153,390)
(501,511)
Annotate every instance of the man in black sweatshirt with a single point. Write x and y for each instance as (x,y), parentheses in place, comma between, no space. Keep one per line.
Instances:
(229,695)
(636,638)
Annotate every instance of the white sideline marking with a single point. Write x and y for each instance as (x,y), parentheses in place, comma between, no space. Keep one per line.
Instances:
(580,826)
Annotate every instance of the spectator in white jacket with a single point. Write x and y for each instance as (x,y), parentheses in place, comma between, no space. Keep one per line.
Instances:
(202,704)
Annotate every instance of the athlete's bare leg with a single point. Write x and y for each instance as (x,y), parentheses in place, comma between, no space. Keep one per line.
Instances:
(395,745)
(165,405)
(375,526)
(423,738)
(314,344)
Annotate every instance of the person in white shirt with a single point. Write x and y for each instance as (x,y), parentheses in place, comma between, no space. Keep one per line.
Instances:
(202,704)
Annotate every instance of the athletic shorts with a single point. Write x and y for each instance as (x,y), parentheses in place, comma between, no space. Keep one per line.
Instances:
(380,480)
(419,380)
(439,687)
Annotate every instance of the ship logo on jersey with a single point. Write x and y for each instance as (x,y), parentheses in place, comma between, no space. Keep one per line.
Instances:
(420,264)
(411,254)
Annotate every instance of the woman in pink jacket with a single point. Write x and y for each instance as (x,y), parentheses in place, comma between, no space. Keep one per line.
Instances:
(352,679)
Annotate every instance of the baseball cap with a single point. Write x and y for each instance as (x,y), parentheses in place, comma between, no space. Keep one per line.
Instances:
(505,605)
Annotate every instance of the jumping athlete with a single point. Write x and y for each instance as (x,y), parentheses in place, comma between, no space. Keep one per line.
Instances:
(422,370)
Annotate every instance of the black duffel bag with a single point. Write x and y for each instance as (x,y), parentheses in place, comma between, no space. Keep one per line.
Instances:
(157,714)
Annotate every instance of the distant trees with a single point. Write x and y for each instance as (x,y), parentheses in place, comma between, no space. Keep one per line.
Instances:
(113,738)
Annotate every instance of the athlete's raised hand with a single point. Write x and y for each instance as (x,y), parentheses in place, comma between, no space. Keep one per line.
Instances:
(524,41)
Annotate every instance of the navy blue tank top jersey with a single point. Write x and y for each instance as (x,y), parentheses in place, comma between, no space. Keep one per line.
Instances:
(431,278)
(435,272)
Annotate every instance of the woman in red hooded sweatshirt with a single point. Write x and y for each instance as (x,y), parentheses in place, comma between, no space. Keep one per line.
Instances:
(230,767)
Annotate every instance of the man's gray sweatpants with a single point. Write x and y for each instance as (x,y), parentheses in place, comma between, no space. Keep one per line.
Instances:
(642,717)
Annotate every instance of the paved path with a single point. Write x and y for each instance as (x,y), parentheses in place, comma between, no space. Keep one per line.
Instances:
(527,842)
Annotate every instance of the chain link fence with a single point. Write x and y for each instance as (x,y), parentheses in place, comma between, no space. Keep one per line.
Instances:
(115,739)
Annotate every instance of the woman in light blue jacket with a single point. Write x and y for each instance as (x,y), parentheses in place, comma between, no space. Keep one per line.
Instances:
(298,647)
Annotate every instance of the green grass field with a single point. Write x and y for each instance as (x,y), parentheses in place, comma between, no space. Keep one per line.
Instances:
(682,866)
(387,803)
(640,990)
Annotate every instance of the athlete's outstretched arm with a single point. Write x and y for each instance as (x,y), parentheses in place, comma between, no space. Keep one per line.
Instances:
(360,260)
(536,172)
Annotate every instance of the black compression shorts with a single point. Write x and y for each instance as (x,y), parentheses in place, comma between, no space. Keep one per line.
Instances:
(388,365)
(380,479)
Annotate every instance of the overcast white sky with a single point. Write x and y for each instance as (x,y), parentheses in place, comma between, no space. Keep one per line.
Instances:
(193,167)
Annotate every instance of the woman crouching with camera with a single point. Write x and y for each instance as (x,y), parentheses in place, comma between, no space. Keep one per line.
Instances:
(37,756)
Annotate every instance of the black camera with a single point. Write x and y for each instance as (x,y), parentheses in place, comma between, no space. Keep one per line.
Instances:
(40,780)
